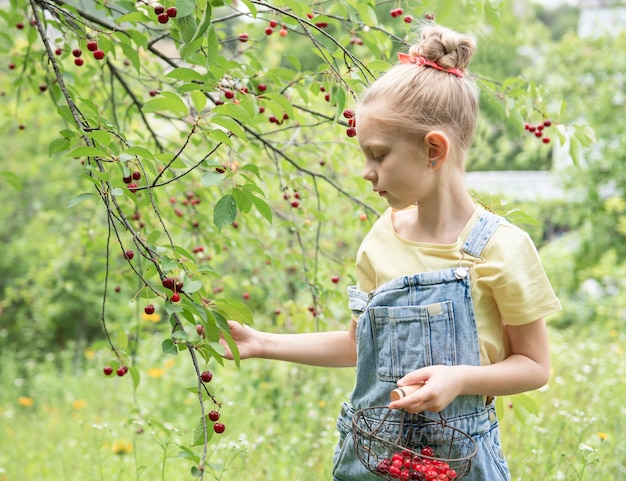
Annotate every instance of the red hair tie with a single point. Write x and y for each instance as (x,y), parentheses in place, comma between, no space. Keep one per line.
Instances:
(418,60)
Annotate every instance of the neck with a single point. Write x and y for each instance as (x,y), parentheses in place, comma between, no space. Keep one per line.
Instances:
(438,220)
(441,223)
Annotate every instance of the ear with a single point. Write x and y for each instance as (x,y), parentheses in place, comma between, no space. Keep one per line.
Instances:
(438,146)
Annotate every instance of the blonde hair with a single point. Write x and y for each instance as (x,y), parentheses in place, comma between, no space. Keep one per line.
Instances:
(419,99)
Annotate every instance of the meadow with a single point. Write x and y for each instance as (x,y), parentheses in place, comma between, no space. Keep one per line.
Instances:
(60,418)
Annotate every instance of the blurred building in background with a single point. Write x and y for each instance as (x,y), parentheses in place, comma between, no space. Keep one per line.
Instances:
(599,17)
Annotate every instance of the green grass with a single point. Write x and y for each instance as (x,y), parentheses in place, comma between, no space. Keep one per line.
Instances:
(280,418)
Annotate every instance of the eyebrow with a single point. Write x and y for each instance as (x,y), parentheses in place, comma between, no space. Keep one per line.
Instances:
(374,146)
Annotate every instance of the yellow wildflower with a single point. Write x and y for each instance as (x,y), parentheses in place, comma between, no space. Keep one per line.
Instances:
(155,372)
(169,364)
(122,446)
(25,401)
(79,404)
(615,204)
(90,354)
(603,436)
(154,317)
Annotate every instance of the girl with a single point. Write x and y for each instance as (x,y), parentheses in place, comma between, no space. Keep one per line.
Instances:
(451,299)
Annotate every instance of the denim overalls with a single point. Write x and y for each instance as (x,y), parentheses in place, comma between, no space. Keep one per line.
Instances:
(416,321)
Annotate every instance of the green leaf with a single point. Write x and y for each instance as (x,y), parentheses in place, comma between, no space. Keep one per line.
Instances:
(251,6)
(198,434)
(210,179)
(66,114)
(252,168)
(185,7)
(58,145)
(185,453)
(518,216)
(186,74)
(138,16)
(183,252)
(198,99)
(365,12)
(179,335)
(168,347)
(584,134)
(575,150)
(12,179)
(171,308)
(187,26)
(213,47)
(218,135)
(132,55)
(120,339)
(136,376)
(340,98)
(229,124)
(101,136)
(225,211)
(262,207)
(244,203)
(237,311)
(80,198)
(523,405)
(233,110)
(87,151)
(154,236)
(140,152)
(193,286)
(226,334)
(282,101)
(167,101)
(205,22)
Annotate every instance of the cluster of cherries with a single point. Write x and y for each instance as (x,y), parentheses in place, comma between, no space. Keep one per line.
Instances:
(406,466)
(163,15)
(272,25)
(173,285)
(214,416)
(121,371)
(351,130)
(397,12)
(295,202)
(131,181)
(92,46)
(539,130)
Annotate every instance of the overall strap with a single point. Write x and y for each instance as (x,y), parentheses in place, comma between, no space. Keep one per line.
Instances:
(481,233)
(358,300)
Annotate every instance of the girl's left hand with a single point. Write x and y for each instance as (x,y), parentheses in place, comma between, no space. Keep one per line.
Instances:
(440,385)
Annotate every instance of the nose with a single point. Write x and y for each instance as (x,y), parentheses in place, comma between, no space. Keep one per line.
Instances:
(369,173)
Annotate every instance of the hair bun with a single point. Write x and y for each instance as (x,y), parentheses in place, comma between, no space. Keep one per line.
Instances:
(445,47)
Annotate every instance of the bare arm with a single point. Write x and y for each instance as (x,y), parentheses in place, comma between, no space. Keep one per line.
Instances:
(326,349)
(525,369)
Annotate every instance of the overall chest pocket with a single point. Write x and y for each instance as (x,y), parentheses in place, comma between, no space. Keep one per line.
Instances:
(410,337)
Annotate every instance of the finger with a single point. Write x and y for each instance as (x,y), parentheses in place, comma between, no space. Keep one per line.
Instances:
(419,376)
(405,397)
(404,391)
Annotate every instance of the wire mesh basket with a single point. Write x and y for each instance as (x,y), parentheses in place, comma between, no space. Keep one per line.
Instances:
(397,445)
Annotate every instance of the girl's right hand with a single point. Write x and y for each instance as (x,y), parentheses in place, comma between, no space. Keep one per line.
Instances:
(247,339)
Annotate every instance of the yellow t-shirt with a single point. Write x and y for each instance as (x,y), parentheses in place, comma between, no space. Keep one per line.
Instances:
(509,286)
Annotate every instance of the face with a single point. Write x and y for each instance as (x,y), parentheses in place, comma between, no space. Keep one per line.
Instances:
(396,165)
